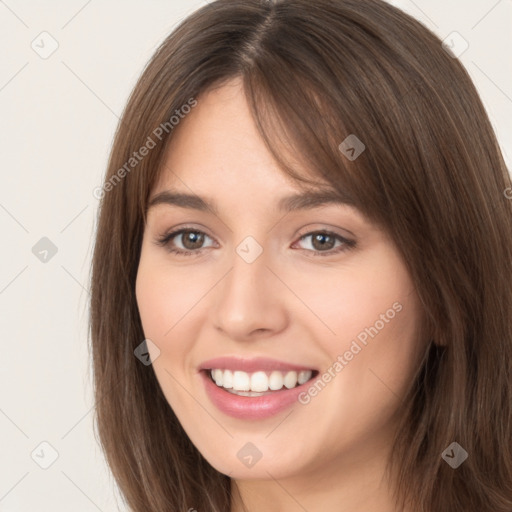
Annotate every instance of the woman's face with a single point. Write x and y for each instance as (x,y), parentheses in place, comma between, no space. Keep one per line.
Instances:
(276,293)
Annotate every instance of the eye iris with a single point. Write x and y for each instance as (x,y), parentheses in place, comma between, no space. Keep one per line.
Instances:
(195,238)
(320,238)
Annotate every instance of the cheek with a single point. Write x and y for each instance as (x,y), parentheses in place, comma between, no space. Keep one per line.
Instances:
(373,314)
(380,357)
(163,297)
(351,297)
(163,300)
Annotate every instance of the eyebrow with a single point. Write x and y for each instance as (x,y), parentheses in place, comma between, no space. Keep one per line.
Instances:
(303,201)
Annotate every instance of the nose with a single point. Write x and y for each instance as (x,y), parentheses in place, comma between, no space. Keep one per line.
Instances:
(250,301)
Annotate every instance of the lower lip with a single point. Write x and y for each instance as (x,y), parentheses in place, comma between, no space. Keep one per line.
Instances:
(251,408)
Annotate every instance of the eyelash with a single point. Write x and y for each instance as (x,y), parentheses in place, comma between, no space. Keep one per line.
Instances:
(165,239)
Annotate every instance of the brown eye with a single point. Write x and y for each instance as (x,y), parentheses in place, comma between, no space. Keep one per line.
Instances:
(192,239)
(184,242)
(326,243)
(323,241)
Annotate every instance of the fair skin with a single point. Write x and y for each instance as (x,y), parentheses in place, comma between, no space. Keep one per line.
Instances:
(330,453)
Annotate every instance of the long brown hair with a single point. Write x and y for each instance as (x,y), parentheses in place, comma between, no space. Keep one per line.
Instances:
(432,175)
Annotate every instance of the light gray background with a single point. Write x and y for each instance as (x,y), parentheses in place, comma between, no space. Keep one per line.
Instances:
(58,117)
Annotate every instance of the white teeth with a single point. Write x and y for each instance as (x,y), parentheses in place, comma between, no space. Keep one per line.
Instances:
(276,381)
(290,380)
(303,377)
(258,382)
(227,379)
(218,377)
(241,381)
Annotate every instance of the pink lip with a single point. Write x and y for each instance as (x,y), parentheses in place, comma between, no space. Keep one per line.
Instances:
(250,365)
(250,408)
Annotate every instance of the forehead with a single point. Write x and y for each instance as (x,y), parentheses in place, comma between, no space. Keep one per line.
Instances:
(218,147)
(219,138)
(217,160)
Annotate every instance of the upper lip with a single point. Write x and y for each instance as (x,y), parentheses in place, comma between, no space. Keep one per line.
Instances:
(251,365)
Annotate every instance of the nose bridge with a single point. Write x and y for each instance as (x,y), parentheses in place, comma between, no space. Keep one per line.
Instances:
(246,299)
(248,274)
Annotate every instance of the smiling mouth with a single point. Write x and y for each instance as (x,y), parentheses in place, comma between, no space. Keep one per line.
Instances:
(259,383)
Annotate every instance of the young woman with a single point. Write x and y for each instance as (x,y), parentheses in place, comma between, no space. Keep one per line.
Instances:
(300,284)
